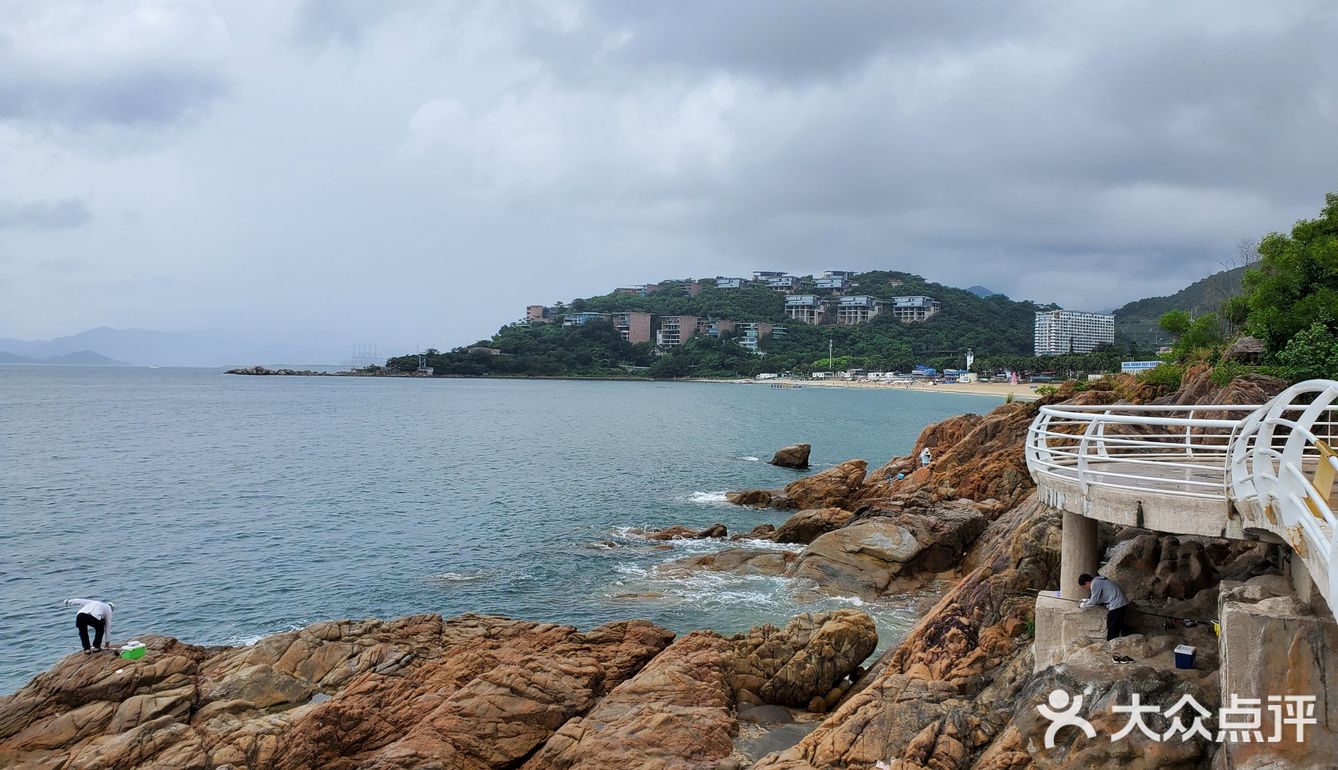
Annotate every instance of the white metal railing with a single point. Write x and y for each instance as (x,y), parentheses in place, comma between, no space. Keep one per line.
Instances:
(1282,472)
(1176,450)
(1273,462)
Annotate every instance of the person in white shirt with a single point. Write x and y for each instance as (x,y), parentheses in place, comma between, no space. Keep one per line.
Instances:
(925,457)
(96,615)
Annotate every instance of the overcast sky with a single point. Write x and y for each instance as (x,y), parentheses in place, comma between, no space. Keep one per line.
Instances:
(415,172)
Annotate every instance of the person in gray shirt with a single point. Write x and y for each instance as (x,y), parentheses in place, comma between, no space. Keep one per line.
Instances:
(1105,593)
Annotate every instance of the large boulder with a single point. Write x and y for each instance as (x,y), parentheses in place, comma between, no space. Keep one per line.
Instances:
(1159,567)
(806,660)
(262,687)
(944,531)
(832,488)
(804,526)
(860,559)
(794,456)
(1276,645)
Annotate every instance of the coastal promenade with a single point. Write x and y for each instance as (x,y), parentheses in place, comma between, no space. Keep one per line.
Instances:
(1235,472)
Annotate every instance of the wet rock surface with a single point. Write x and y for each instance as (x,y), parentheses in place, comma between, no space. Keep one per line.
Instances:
(681,532)
(741,561)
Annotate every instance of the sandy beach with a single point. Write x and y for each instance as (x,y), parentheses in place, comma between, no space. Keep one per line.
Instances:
(1021,392)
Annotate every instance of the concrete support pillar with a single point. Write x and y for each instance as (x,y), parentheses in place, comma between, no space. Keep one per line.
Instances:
(1302,582)
(1078,554)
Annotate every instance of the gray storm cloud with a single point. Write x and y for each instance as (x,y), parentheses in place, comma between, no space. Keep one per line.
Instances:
(44,215)
(416,172)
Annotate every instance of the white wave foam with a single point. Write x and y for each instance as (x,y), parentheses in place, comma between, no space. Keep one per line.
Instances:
(250,640)
(458,577)
(631,569)
(750,459)
(243,641)
(767,545)
(708,498)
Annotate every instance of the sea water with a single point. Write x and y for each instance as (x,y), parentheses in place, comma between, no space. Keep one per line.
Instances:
(219,508)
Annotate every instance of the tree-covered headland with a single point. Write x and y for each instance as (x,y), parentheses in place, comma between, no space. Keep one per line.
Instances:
(1289,302)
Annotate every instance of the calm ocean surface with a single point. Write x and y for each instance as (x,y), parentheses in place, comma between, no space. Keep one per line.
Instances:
(218,508)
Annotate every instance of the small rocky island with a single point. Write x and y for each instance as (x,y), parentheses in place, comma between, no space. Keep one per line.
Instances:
(261,371)
(959,692)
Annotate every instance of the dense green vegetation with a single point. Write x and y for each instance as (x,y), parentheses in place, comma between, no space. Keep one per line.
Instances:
(1137,322)
(1290,302)
(1295,284)
(547,350)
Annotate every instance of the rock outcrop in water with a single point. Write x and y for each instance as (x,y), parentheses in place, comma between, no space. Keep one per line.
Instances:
(832,488)
(794,456)
(680,532)
(472,692)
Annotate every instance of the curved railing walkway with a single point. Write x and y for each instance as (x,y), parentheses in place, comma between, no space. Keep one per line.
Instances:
(1246,472)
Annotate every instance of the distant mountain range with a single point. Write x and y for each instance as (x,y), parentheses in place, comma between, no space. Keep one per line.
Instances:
(141,347)
(78,358)
(1137,321)
(981,291)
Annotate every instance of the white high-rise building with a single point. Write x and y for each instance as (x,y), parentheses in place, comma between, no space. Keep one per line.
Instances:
(1070,331)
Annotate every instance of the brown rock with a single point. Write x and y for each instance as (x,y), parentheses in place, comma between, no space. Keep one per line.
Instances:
(944,531)
(1183,570)
(979,458)
(804,660)
(675,713)
(859,559)
(474,692)
(261,687)
(760,532)
(794,456)
(1246,349)
(832,488)
(804,526)
(757,498)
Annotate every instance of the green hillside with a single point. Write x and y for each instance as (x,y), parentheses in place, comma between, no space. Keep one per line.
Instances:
(993,326)
(1136,322)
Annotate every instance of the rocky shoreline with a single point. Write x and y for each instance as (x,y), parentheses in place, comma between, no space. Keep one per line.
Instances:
(958,692)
